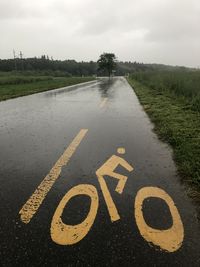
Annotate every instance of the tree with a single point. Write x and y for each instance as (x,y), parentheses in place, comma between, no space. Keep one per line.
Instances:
(107,62)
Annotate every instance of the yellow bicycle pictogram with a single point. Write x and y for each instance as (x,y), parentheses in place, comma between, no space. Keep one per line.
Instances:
(169,240)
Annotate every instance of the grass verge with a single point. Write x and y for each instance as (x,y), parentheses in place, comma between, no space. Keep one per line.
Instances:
(11,90)
(179,126)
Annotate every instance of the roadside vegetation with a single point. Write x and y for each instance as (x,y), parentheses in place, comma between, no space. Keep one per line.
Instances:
(172,100)
(182,84)
(20,84)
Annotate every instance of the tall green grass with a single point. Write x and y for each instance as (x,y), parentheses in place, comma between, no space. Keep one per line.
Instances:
(183,84)
(177,125)
(14,85)
(6,80)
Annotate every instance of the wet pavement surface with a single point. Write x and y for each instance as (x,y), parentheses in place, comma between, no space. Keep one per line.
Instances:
(34,133)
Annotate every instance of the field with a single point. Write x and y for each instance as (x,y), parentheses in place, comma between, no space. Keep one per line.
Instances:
(20,84)
(183,84)
(172,102)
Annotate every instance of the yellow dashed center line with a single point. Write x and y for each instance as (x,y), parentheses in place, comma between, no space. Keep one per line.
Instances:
(34,202)
(103,102)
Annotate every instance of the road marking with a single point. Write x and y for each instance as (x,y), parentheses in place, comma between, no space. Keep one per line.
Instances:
(103,102)
(34,202)
(107,169)
(121,150)
(170,239)
(64,234)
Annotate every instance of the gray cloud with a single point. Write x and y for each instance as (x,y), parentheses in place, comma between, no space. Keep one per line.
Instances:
(162,31)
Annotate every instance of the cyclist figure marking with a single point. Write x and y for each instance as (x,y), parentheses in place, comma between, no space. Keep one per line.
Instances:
(108,169)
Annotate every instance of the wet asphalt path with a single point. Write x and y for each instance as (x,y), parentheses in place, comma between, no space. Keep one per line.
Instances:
(36,130)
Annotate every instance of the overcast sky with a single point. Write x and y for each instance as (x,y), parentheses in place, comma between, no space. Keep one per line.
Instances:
(150,31)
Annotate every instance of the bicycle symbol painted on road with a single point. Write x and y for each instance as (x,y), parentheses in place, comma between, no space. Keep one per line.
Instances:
(169,240)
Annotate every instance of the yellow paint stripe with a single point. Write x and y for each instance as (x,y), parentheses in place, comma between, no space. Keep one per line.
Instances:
(34,202)
(103,102)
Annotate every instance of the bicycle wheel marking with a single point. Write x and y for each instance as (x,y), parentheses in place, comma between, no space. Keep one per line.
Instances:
(64,234)
(34,202)
(170,239)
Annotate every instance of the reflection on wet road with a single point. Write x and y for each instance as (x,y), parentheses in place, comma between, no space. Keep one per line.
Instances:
(86,182)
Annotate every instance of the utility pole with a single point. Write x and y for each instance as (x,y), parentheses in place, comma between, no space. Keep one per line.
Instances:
(21,57)
(14,55)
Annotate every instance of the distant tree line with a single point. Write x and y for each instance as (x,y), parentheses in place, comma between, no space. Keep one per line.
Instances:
(47,66)
(70,67)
